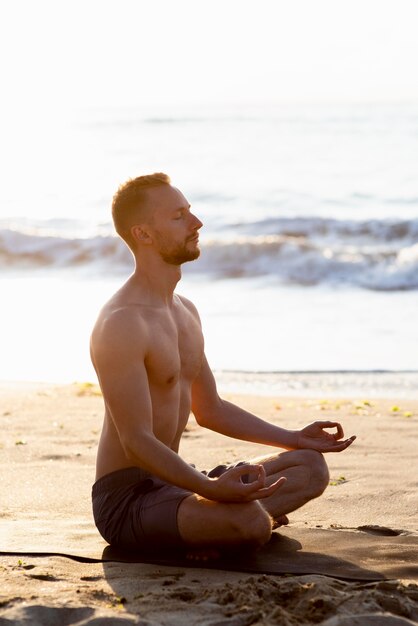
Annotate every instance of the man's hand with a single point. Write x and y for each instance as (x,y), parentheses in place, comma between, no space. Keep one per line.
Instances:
(229,487)
(314,437)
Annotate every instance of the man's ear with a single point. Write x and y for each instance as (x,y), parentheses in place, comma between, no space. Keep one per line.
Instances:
(141,234)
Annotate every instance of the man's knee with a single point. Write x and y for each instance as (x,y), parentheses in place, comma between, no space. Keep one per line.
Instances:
(225,524)
(318,471)
(253,524)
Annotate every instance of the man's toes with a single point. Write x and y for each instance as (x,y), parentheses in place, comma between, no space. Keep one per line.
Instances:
(281,520)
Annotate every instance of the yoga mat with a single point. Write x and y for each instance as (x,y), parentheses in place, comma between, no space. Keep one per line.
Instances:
(368,553)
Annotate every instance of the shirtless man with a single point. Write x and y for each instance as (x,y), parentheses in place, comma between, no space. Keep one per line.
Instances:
(147,349)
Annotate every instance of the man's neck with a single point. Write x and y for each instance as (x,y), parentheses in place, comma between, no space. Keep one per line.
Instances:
(158,280)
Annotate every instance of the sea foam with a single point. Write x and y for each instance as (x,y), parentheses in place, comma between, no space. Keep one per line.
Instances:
(374,254)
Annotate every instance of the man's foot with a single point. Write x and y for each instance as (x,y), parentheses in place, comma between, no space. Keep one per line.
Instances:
(282,520)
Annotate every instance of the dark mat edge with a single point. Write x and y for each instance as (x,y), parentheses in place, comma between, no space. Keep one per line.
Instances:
(193,565)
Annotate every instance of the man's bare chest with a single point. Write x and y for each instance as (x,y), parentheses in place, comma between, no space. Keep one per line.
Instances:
(175,349)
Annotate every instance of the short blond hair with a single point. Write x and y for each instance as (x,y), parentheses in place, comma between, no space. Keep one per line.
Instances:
(130,202)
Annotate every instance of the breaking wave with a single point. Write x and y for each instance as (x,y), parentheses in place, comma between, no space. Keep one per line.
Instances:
(373,254)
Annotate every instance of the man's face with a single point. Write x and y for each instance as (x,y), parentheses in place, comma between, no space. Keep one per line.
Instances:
(174,229)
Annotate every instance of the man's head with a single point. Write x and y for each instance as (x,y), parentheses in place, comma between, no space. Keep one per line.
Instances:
(149,212)
(131,204)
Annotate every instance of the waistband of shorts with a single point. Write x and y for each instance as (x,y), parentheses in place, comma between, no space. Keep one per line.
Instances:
(119,478)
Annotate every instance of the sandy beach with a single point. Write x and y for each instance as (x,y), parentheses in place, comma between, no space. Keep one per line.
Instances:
(48,443)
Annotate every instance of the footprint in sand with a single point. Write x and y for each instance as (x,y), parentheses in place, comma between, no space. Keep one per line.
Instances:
(64,616)
(381,530)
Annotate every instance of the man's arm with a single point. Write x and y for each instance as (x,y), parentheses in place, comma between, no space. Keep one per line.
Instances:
(222,416)
(119,352)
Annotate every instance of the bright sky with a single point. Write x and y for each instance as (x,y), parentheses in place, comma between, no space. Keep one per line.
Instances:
(57,56)
(111,52)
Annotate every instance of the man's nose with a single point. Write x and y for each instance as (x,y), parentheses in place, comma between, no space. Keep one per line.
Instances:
(196,223)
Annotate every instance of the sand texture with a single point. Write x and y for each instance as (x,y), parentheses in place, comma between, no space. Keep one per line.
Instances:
(48,441)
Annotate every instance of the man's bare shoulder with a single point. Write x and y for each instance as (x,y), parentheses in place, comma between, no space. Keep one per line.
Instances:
(188,304)
(126,308)
(120,323)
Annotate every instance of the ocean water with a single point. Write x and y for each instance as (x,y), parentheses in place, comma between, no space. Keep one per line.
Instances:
(309,256)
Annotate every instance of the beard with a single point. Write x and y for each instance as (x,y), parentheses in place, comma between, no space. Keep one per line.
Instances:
(177,255)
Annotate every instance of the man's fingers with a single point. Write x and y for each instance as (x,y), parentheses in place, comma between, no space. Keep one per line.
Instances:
(257,473)
(327,424)
(264,492)
(340,432)
(246,492)
(342,445)
(276,485)
(243,470)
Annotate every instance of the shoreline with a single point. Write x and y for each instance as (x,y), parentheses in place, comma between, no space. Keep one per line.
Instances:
(311,384)
(376,384)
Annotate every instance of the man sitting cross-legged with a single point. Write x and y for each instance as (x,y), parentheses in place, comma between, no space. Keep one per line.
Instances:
(147,349)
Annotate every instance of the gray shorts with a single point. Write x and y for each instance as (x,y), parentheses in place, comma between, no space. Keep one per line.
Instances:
(135,509)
